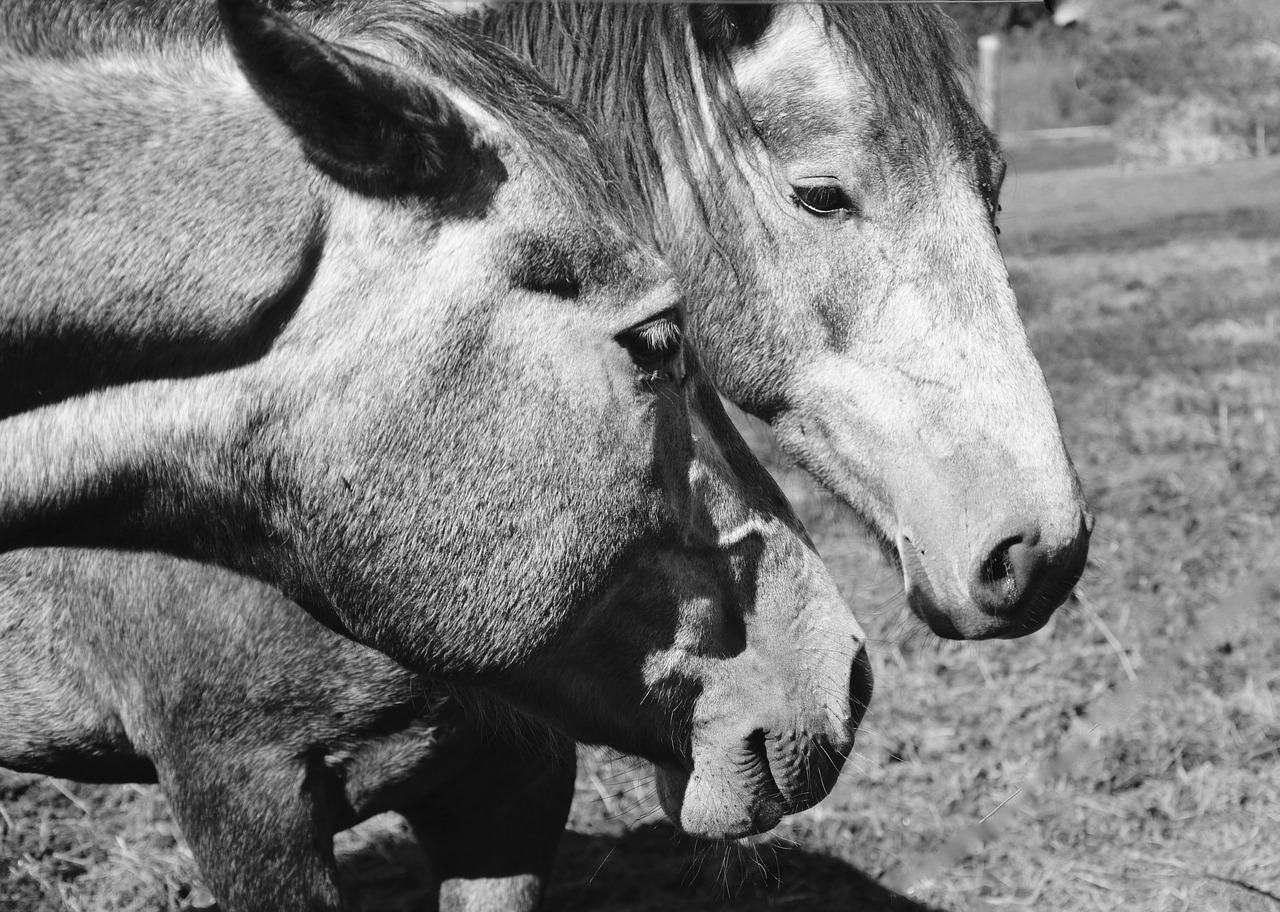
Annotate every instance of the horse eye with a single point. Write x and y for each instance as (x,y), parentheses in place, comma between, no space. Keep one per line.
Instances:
(656,346)
(824,200)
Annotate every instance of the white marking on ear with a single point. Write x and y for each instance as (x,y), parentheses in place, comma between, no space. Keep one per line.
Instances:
(236,82)
(489,126)
(753,526)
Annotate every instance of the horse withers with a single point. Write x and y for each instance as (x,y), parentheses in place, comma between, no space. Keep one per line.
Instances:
(369,320)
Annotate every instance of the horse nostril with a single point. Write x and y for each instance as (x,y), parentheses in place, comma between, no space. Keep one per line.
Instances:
(999,566)
(1008,574)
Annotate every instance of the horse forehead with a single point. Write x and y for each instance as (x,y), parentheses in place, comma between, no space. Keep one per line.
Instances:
(795,65)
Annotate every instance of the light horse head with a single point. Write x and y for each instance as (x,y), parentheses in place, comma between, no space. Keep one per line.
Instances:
(372,324)
(828,195)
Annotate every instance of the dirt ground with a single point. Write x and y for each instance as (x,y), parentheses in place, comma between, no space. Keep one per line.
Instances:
(1127,756)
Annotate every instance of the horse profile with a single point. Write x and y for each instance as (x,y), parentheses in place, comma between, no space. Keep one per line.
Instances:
(376,329)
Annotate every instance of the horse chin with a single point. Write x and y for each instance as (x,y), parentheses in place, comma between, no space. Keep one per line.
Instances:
(716,801)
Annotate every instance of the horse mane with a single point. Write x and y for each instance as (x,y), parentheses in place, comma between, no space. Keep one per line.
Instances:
(73,28)
(601,54)
(414,32)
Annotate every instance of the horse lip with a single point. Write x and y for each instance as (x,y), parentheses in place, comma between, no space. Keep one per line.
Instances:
(762,813)
(761,802)
(939,624)
(1031,621)
(921,597)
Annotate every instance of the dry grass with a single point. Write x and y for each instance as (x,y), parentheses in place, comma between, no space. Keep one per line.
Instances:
(1127,756)
(90,849)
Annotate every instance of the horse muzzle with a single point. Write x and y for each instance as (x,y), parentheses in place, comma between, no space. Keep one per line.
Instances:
(1009,587)
(744,779)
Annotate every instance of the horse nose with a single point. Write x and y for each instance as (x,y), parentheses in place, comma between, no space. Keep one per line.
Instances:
(1024,570)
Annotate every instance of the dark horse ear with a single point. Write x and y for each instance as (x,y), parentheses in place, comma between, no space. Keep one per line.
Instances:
(723,27)
(362,121)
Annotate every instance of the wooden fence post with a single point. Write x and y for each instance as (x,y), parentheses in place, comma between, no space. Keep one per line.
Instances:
(989,80)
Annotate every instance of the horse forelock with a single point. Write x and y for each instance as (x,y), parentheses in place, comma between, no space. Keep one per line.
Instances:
(548,128)
(606,57)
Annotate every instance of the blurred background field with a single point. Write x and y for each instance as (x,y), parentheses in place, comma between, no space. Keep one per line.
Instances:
(1128,755)
(1171,81)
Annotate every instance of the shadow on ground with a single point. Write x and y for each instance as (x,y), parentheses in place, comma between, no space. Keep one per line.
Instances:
(655,868)
(647,869)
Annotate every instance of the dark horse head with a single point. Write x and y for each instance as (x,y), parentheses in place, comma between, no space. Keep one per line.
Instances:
(369,319)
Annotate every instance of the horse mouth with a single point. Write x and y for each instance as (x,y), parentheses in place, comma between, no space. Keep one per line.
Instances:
(748,787)
(720,810)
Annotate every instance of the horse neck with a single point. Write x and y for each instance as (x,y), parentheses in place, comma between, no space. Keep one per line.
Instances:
(75,28)
(71,28)
(135,250)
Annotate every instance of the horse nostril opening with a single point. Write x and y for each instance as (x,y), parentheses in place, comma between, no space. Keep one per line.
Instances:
(1008,574)
(999,566)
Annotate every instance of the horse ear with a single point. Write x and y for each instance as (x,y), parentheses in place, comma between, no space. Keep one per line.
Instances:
(360,120)
(724,27)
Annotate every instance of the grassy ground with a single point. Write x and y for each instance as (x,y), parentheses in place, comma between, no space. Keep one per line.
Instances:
(1127,756)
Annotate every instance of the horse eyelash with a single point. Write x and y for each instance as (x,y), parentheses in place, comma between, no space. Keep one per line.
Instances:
(660,334)
(853,208)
